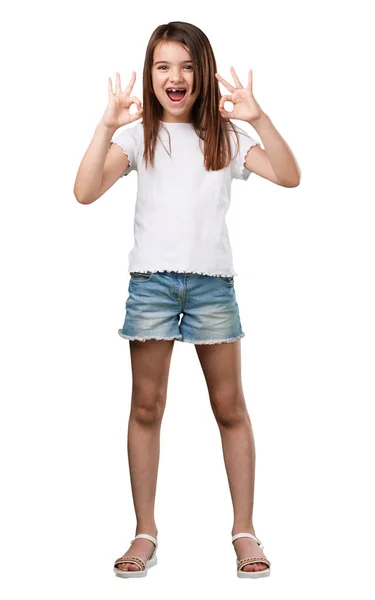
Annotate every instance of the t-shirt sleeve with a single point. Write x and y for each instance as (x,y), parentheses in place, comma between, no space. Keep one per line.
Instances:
(128,140)
(239,171)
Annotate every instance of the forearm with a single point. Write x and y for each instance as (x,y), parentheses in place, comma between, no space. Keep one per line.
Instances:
(90,172)
(280,155)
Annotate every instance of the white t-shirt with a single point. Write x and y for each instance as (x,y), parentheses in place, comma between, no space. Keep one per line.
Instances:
(179,220)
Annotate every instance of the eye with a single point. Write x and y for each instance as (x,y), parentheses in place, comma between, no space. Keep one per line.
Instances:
(162,67)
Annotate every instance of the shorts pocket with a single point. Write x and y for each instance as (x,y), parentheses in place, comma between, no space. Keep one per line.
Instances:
(136,277)
(227,280)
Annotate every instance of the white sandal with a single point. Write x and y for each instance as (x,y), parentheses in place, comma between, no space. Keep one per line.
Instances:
(136,560)
(248,561)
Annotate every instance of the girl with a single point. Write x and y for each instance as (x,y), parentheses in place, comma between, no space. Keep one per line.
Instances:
(186,152)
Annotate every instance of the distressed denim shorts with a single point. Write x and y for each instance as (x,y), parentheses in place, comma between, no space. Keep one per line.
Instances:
(189,307)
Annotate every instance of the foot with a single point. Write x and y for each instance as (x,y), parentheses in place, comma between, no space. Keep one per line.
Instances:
(141,548)
(246,548)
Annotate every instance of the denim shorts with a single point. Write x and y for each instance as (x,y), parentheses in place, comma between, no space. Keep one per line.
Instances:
(188,307)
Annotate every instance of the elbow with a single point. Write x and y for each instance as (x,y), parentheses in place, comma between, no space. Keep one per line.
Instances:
(298,179)
(80,198)
(294,183)
(295,179)
(77,195)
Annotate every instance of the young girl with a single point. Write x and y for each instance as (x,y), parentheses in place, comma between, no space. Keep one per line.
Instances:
(186,152)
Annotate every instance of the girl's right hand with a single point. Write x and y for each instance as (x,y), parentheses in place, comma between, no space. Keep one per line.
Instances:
(117,112)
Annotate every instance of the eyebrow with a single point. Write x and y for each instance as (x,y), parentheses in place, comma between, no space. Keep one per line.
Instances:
(166,61)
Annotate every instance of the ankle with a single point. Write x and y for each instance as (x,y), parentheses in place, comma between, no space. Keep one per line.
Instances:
(150,529)
(243,528)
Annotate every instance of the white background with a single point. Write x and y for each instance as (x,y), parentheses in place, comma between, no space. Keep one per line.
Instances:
(305,289)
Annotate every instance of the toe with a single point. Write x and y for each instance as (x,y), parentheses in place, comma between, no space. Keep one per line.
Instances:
(255,567)
(128,567)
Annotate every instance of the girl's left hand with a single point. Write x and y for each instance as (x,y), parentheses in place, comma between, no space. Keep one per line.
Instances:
(246,108)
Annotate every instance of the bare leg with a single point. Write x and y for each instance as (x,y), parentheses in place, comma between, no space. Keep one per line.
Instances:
(150,363)
(221,364)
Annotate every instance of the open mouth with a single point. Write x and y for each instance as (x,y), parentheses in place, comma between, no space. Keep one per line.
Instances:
(176,95)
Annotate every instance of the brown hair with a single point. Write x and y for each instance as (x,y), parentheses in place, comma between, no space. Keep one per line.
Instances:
(208,123)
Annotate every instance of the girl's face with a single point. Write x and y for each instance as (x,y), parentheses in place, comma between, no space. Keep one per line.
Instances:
(173,69)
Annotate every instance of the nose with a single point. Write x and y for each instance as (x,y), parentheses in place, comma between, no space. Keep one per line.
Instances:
(176,77)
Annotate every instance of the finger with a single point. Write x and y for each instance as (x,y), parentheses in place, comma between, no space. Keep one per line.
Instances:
(110,90)
(136,101)
(250,81)
(136,115)
(224,113)
(118,84)
(226,98)
(129,87)
(238,83)
(224,82)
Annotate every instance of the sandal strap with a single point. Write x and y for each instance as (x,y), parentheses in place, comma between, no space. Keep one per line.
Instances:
(131,559)
(249,561)
(249,535)
(147,537)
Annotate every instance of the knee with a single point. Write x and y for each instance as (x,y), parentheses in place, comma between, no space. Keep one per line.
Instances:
(147,406)
(229,409)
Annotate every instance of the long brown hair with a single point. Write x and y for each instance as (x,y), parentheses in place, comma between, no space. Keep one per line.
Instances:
(208,123)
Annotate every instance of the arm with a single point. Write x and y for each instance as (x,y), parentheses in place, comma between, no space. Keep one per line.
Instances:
(276,162)
(90,172)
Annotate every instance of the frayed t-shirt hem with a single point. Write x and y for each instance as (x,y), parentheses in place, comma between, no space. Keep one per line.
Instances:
(221,274)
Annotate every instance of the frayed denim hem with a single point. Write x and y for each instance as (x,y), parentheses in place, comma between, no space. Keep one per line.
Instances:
(179,339)
(215,341)
(144,339)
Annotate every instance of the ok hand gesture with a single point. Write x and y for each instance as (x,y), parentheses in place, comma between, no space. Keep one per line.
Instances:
(117,112)
(246,108)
